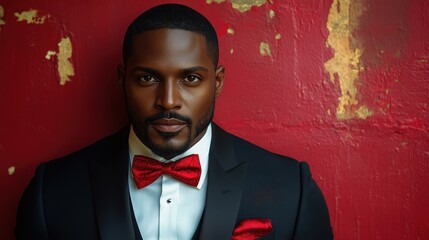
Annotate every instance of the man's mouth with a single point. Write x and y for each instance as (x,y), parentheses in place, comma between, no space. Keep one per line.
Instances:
(168,125)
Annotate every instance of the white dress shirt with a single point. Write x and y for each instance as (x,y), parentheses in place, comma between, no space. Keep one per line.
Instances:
(167,208)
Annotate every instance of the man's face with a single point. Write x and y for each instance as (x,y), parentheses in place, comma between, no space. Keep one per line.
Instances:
(170,85)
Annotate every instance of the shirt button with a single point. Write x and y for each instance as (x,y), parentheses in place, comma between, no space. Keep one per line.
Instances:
(169,201)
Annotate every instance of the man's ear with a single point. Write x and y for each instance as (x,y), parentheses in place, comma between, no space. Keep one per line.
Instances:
(121,74)
(220,77)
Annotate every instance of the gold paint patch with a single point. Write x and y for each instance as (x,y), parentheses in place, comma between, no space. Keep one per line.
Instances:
(264,49)
(272,14)
(2,22)
(246,5)
(11,170)
(216,1)
(230,31)
(65,67)
(346,63)
(31,17)
(49,54)
(363,112)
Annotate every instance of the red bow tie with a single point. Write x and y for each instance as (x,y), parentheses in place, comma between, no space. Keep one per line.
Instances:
(146,170)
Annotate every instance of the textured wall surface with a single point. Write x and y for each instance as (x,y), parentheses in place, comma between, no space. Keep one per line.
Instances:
(342,84)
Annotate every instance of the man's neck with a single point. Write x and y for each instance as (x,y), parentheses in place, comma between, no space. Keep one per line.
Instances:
(138,148)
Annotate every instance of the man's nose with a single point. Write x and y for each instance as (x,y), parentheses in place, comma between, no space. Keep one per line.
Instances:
(169,97)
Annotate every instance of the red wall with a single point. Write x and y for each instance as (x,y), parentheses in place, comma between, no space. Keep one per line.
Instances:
(345,87)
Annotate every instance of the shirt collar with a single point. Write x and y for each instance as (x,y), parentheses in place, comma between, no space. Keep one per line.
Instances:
(202,148)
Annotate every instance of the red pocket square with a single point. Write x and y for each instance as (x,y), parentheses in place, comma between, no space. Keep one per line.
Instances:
(254,228)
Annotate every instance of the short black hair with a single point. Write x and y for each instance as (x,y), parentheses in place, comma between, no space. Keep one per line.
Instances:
(172,16)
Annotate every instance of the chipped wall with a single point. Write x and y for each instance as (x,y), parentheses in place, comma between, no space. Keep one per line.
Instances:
(346,62)
(64,66)
(30,16)
(2,22)
(341,84)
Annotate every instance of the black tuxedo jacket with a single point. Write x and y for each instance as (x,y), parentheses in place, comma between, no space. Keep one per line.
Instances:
(85,195)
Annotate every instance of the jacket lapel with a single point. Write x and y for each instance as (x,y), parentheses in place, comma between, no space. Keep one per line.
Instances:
(109,180)
(225,186)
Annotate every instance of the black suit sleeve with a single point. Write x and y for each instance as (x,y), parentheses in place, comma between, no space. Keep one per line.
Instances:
(30,220)
(313,216)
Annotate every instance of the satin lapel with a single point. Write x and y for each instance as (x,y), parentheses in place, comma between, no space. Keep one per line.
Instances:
(110,189)
(225,186)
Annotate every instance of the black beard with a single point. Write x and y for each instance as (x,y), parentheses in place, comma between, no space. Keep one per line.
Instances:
(167,151)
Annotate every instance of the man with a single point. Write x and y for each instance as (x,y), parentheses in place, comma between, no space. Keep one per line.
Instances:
(172,174)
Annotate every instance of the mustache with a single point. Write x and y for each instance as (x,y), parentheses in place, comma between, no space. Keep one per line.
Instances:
(169,114)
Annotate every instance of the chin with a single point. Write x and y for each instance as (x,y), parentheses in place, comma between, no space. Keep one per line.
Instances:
(168,145)
(169,150)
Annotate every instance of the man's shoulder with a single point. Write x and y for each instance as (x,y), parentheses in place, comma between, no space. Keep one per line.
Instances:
(253,153)
(102,147)
(265,168)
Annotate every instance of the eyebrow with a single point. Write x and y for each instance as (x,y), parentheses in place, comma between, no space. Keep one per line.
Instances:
(193,69)
(145,69)
(182,72)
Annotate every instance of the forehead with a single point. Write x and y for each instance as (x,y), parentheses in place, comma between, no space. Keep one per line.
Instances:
(169,45)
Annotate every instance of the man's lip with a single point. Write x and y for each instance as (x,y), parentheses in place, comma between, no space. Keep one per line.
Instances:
(168,121)
(169,125)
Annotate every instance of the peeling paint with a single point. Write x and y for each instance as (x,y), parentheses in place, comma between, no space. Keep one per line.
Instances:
(264,49)
(216,1)
(49,54)
(11,170)
(272,14)
(231,50)
(31,17)
(363,112)
(346,63)
(2,22)
(278,36)
(65,67)
(230,31)
(246,5)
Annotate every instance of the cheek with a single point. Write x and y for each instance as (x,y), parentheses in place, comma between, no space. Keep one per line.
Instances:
(199,102)
(139,101)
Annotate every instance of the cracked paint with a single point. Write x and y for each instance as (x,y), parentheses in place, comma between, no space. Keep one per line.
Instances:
(230,31)
(2,22)
(346,63)
(31,17)
(216,1)
(246,5)
(49,54)
(272,14)
(65,67)
(264,49)
(11,170)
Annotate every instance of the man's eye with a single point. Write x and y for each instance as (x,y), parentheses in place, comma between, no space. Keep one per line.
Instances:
(192,78)
(147,79)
